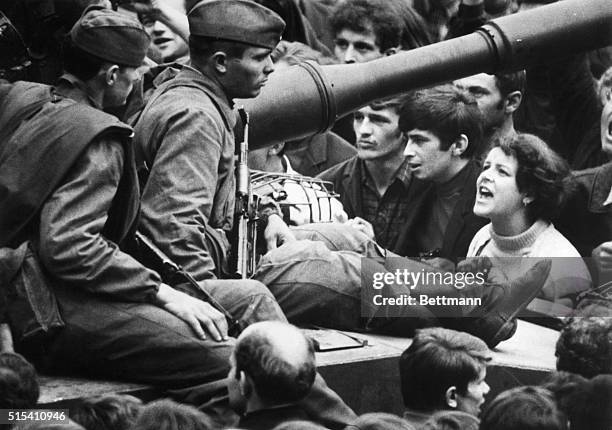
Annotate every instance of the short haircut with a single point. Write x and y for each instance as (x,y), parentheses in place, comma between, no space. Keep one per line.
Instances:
(169,415)
(585,346)
(523,408)
(510,82)
(394,103)
(360,15)
(299,425)
(202,47)
(295,53)
(19,387)
(436,360)
(541,174)
(81,64)
(274,378)
(451,420)
(110,412)
(379,421)
(447,112)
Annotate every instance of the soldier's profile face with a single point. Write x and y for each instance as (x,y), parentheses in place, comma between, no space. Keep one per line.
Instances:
(247,75)
(117,94)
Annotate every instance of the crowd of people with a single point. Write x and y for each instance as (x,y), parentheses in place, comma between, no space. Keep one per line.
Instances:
(118,142)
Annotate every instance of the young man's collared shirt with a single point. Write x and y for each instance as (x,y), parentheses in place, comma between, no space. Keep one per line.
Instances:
(386,212)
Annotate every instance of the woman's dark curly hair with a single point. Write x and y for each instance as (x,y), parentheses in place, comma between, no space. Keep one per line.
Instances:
(542,174)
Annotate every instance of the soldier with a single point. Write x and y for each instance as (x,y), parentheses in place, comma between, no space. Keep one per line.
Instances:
(185,136)
(72,203)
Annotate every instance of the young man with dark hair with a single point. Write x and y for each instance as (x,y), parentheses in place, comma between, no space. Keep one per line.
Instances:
(272,368)
(374,184)
(365,30)
(443,369)
(444,131)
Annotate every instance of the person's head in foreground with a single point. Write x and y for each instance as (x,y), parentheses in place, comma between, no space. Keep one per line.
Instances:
(169,415)
(272,364)
(584,346)
(444,370)
(110,412)
(523,408)
(379,421)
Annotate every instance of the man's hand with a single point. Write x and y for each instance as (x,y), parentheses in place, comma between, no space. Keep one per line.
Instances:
(277,232)
(363,226)
(200,315)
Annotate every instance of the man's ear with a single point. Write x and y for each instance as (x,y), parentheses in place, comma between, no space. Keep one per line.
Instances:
(245,384)
(392,50)
(459,145)
(451,397)
(110,75)
(219,62)
(513,101)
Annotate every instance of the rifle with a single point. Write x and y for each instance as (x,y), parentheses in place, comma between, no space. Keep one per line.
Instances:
(244,244)
(173,274)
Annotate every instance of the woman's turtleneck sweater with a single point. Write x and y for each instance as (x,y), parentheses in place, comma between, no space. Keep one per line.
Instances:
(568,276)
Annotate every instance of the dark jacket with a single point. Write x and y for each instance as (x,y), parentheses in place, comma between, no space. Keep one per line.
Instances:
(185,137)
(462,226)
(267,419)
(585,221)
(68,183)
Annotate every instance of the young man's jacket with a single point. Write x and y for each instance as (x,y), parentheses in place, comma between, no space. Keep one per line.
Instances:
(586,221)
(185,140)
(462,226)
(68,188)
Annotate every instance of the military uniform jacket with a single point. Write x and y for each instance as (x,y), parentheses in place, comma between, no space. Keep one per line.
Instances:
(184,138)
(68,184)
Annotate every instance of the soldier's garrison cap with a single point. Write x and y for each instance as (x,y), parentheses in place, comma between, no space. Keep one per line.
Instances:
(111,36)
(236,20)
